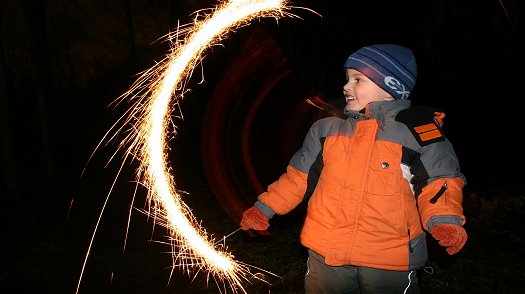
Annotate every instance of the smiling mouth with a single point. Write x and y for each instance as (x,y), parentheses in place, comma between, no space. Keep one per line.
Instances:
(350,98)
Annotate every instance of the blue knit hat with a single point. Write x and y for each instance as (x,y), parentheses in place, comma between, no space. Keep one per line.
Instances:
(391,67)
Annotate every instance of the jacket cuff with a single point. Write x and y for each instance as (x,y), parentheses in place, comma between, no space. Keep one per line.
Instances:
(265,209)
(445,219)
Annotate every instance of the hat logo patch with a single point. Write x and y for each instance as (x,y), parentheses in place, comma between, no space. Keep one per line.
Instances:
(397,86)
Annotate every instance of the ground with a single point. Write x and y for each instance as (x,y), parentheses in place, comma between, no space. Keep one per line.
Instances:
(45,247)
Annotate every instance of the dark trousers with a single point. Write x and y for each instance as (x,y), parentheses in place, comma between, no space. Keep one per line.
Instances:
(322,278)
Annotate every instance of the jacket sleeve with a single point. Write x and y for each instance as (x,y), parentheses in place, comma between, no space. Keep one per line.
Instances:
(441,196)
(286,193)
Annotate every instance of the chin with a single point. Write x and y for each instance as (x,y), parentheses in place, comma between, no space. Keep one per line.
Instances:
(354,108)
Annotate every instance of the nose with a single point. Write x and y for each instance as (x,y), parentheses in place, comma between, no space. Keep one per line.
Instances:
(347,86)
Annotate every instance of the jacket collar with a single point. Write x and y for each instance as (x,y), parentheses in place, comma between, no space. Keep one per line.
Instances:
(380,110)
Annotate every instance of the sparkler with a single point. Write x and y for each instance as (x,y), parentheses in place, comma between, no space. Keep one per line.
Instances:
(150,119)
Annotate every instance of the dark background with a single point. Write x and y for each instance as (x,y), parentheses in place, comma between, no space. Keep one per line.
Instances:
(63,63)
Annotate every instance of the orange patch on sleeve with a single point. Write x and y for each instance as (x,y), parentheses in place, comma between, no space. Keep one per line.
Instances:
(430,135)
(428,132)
(425,128)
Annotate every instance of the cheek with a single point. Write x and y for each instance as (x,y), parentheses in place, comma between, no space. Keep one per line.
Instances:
(362,94)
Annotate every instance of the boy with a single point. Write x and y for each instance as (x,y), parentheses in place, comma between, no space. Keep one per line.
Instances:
(381,177)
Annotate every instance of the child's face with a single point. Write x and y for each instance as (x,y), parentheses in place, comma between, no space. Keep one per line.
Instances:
(359,90)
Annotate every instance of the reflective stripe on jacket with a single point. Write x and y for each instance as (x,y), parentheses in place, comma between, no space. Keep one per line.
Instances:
(377,190)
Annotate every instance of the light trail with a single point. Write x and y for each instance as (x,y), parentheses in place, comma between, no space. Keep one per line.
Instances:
(156,93)
(189,237)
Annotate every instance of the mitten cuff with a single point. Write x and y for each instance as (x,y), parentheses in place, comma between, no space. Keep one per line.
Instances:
(265,209)
(444,219)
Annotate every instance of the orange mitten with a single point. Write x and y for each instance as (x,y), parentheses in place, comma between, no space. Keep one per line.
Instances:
(453,237)
(254,219)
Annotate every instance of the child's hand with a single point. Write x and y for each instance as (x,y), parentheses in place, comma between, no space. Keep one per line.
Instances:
(254,219)
(451,236)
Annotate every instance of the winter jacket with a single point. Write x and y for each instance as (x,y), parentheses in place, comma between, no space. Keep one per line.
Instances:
(381,178)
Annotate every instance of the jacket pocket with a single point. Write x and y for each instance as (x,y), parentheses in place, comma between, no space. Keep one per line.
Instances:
(383,176)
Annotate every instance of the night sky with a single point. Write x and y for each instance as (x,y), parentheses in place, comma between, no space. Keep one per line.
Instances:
(64,63)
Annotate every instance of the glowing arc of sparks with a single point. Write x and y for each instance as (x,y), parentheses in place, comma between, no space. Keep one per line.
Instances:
(153,129)
(149,119)
(190,53)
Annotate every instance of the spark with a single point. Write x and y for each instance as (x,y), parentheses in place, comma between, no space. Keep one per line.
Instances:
(506,13)
(156,93)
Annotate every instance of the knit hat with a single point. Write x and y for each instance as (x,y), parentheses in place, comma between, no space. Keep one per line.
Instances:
(391,67)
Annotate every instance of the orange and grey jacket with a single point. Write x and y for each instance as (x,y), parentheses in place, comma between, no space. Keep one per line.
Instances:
(381,178)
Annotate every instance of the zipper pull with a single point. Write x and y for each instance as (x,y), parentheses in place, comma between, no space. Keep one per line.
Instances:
(439,193)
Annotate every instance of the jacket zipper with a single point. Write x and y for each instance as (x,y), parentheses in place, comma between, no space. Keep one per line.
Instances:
(410,243)
(439,193)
